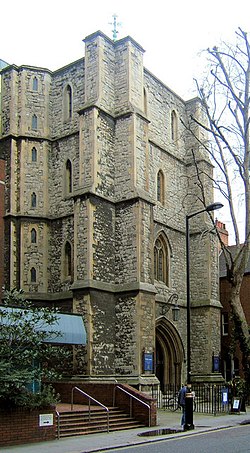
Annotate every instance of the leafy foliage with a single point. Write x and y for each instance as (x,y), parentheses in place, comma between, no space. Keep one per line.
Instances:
(25,357)
(44,398)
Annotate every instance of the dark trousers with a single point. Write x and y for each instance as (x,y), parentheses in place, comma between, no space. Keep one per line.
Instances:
(183,417)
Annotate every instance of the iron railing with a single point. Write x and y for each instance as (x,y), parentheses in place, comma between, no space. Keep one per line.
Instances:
(90,398)
(133,397)
(58,424)
(209,398)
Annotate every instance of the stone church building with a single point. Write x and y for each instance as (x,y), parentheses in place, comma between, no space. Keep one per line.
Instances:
(99,177)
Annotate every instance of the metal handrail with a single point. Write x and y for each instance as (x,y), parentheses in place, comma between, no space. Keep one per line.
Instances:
(114,391)
(92,399)
(137,399)
(58,424)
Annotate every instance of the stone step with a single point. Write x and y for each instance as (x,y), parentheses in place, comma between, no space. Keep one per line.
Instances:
(85,417)
(77,423)
(98,429)
(113,422)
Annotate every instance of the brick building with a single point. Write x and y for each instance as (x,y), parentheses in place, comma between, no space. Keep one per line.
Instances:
(99,177)
(231,355)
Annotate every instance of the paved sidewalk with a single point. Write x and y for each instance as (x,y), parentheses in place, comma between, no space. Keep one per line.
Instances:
(104,441)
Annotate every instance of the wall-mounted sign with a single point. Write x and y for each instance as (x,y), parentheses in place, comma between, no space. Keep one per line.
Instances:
(224,396)
(46,420)
(148,361)
(216,364)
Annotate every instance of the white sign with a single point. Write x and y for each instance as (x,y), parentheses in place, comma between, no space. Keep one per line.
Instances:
(46,420)
(224,398)
(236,404)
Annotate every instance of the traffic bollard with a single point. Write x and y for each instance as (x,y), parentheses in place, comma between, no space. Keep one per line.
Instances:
(188,412)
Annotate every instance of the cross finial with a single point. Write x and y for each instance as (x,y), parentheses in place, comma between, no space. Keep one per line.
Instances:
(115,24)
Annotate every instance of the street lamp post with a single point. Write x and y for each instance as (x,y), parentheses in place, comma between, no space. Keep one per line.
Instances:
(211,207)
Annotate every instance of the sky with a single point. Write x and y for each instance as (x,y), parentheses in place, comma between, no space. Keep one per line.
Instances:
(173,34)
(49,33)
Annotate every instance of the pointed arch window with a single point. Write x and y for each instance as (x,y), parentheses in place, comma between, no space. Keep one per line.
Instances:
(35,84)
(161,261)
(34,154)
(68,102)
(173,126)
(33,236)
(68,179)
(67,260)
(34,123)
(33,275)
(160,186)
(33,200)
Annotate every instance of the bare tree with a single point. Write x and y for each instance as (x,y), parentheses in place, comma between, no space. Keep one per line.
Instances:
(225,99)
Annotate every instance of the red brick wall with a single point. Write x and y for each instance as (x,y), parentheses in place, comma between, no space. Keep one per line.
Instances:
(101,392)
(221,227)
(104,393)
(2,179)
(244,296)
(140,411)
(224,298)
(20,426)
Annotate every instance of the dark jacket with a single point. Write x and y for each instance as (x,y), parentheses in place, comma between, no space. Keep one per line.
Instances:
(182,396)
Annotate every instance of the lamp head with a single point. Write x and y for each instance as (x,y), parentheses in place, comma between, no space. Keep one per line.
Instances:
(214,206)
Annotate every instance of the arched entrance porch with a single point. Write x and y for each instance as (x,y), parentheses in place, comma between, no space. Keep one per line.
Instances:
(169,354)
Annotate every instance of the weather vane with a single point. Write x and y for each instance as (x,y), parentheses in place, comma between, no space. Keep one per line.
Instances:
(115,24)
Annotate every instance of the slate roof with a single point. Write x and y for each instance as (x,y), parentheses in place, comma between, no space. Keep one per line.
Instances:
(223,269)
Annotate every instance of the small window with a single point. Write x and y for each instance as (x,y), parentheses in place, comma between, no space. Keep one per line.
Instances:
(35,84)
(33,275)
(34,154)
(33,200)
(225,324)
(160,187)
(68,102)
(173,126)
(161,261)
(68,179)
(34,123)
(33,236)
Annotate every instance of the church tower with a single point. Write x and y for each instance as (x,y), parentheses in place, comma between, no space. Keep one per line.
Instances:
(99,179)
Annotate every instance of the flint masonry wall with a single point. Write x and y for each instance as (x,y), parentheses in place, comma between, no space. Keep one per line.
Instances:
(73,75)
(104,262)
(126,350)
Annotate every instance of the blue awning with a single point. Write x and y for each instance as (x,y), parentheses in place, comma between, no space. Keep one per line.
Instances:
(71,328)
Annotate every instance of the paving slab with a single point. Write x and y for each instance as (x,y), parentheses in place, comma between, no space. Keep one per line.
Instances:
(104,441)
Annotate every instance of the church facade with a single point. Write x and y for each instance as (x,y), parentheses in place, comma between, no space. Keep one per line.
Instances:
(99,179)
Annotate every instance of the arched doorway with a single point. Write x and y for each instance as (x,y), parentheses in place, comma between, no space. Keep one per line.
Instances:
(169,354)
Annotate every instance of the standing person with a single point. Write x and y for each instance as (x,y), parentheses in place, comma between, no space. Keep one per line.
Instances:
(182,403)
